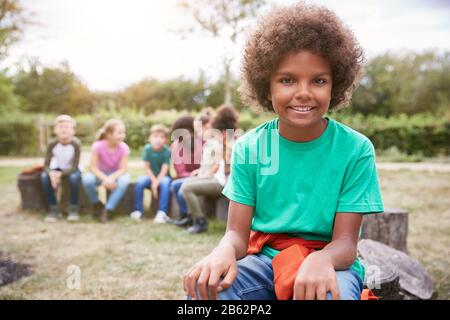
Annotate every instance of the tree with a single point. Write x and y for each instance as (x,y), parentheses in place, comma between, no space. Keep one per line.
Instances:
(12,22)
(51,90)
(225,20)
(9,102)
(408,83)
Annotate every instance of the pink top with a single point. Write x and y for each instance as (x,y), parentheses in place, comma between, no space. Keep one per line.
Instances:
(183,167)
(109,159)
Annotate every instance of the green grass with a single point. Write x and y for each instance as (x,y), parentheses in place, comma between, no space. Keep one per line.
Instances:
(8,175)
(125,259)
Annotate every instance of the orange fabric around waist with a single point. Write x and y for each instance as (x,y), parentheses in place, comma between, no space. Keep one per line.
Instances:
(286,264)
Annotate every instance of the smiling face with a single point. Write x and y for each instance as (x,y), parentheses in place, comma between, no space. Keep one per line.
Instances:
(157,139)
(300,91)
(117,135)
(64,131)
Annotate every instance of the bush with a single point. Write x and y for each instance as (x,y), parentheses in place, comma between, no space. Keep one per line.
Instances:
(417,136)
(19,135)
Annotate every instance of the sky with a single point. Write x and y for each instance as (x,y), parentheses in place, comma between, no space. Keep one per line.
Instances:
(111,44)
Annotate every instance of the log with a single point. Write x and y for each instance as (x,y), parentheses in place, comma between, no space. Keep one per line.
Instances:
(382,261)
(389,227)
(216,207)
(31,193)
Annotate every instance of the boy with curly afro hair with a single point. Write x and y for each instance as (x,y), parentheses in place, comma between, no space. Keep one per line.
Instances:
(300,183)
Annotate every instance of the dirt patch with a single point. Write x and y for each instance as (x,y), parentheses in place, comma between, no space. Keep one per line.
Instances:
(11,271)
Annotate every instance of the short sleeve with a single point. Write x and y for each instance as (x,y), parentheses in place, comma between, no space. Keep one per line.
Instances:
(126,149)
(167,156)
(145,153)
(96,146)
(240,186)
(360,191)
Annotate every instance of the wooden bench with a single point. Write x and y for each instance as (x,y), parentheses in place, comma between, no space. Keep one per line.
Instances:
(33,198)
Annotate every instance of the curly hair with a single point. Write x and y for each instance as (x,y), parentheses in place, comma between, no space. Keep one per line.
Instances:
(294,28)
(184,122)
(226,118)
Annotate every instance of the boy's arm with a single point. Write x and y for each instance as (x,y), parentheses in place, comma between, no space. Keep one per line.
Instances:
(164,171)
(343,246)
(238,228)
(76,159)
(48,156)
(218,270)
(148,170)
(317,274)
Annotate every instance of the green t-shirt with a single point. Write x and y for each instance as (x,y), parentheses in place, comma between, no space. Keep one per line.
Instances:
(156,158)
(297,187)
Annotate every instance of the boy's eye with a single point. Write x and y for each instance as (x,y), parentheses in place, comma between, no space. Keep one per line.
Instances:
(320,81)
(286,80)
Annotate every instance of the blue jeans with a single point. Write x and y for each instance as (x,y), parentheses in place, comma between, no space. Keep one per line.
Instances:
(254,281)
(143,183)
(91,182)
(74,181)
(175,188)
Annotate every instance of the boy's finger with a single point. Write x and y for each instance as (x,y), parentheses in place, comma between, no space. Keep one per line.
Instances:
(310,292)
(202,283)
(214,279)
(321,292)
(299,292)
(190,281)
(229,277)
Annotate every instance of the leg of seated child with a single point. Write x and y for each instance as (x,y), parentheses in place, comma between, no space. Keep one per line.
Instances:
(90,183)
(48,189)
(175,188)
(164,194)
(350,285)
(142,183)
(74,179)
(115,196)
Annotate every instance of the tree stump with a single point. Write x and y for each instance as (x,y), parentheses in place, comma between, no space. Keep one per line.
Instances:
(215,207)
(389,227)
(383,263)
(31,193)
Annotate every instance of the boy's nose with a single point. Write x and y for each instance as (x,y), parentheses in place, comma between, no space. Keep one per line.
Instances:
(303,92)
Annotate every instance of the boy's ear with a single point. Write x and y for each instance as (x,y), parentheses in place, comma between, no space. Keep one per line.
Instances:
(269,97)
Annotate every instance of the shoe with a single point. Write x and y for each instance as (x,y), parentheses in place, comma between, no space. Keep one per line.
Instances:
(136,215)
(73,214)
(53,214)
(183,221)
(200,225)
(161,217)
(104,216)
(97,209)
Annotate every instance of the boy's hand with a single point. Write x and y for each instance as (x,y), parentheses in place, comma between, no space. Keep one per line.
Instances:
(155,185)
(315,278)
(194,172)
(55,178)
(212,274)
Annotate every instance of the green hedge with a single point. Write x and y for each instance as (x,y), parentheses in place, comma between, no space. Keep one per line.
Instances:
(419,134)
(19,135)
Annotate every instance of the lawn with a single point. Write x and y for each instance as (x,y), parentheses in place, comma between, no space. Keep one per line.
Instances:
(128,260)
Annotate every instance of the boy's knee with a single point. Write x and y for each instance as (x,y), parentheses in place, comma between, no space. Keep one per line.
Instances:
(349,285)
(142,182)
(44,176)
(88,179)
(166,181)
(74,177)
